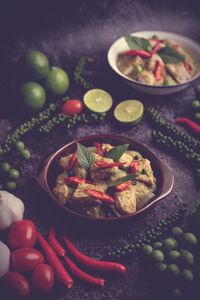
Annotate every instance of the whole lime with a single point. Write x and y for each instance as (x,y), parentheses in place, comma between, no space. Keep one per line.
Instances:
(37,64)
(34,95)
(57,81)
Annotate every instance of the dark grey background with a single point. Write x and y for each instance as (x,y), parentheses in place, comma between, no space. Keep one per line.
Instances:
(65,30)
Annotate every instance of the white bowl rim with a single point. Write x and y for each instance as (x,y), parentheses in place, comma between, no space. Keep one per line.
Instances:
(155,86)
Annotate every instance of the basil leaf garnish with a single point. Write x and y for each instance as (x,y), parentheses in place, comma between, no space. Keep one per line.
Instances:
(123,179)
(116,152)
(137,43)
(170,55)
(85,156)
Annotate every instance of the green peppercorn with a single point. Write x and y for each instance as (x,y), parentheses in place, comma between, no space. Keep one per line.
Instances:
(11,185)
(26,154)
(197,115)
(187,275)
(173,269)
(5,166)
(157,245)
(161,267)
(189,239)
(157,256)
(147,249)
(196,104)
(14,173)
(19,145)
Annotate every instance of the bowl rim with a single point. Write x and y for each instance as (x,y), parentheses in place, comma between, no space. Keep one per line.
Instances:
(119,73)
(161,165)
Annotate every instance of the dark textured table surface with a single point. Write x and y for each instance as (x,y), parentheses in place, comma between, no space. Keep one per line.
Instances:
(64,33)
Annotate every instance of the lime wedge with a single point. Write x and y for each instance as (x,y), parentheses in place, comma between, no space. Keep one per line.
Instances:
(129,111)
(98,100)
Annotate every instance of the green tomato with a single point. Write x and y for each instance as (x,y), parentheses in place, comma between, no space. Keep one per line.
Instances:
(174,255)
(187,275)
(19,145)
(5,166)
(57,81)
(173,269)
(147,249)
(170,244)
(37,64)
(34,95)
(189,239)
(14,173)
(187,257)
(157,245)
(177,231)
(11,185)
(157,256)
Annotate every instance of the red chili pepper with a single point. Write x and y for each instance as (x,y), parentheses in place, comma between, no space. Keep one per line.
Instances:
(158,70)
(82,275)
(156,47)
(98,147)
(100,195)
(76,180)
(72,161)
(104,164)
(187,66)
(141,53)
(123,186)
(133,167)
(61,274)
(190,124)
(91,262)
(56,246)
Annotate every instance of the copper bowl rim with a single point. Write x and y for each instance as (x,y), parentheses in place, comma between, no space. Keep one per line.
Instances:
(165,190)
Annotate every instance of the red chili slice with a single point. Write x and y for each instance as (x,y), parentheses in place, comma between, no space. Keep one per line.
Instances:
(76,180)
(100,195)
(98,147)
(187,66)
(123,186)
(72,161)
(133,167)
(104,164)
(156,47)
(140,53)
(158,71)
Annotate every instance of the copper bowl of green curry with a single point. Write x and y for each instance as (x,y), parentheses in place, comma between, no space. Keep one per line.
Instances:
(77,204)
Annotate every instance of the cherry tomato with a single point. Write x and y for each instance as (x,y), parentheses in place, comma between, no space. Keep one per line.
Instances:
(72,107)
(26,259)
(17,284)
(42,279)
(22,234)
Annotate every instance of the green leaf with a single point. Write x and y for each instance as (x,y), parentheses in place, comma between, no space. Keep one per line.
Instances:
(123,179)
(170,55)
(137,43)
(85,156)
(116,152)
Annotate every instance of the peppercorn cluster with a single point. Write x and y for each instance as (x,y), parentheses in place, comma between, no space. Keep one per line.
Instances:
(150,235)
(25,128)
(168,136)
(78,73)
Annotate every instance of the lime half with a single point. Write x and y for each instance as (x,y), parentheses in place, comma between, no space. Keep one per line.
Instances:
(129,111)
(98,100)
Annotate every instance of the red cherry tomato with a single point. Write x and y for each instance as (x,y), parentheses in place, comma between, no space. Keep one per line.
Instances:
(22,234)
(26,259)
(42,279)
(16,284)
(72,107)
